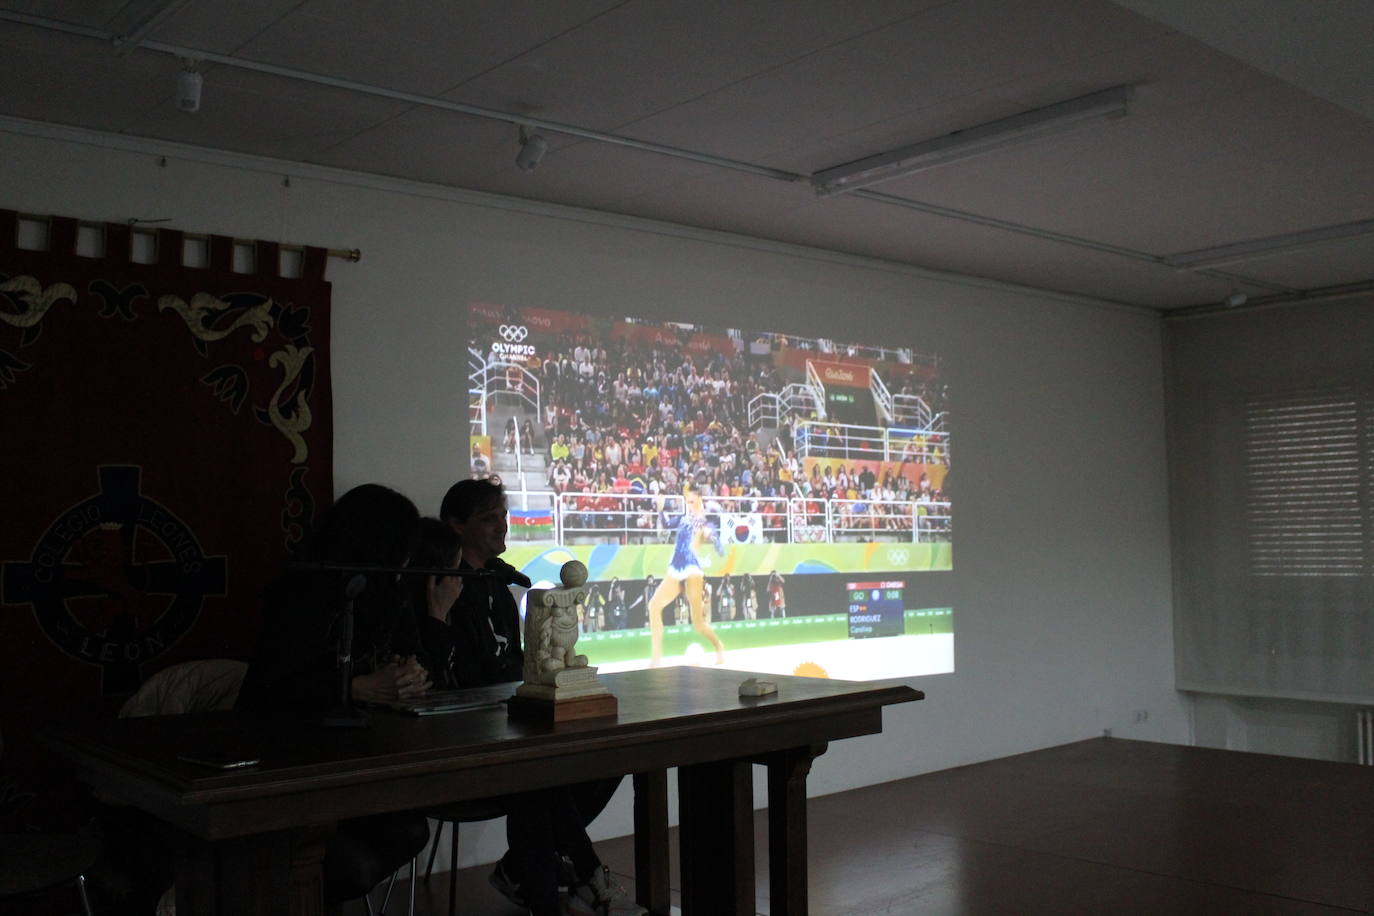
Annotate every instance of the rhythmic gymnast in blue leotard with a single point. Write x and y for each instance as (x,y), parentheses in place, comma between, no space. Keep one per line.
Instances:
(685,573)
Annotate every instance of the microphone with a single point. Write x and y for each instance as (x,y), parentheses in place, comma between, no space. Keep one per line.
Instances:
(506,574)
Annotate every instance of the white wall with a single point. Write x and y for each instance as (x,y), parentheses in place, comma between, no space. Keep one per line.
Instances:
(1061,583)
(1272,725)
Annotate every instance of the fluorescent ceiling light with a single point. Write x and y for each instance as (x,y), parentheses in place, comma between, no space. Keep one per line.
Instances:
(974,141)
(1274,244)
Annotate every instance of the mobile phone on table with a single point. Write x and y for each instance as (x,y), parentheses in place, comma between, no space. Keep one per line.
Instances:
(217,760)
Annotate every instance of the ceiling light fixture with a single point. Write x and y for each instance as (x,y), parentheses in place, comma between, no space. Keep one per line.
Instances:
(189,82)
(532,150)
(1108,104)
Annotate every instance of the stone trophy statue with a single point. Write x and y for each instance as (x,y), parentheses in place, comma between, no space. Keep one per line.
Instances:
(559,684)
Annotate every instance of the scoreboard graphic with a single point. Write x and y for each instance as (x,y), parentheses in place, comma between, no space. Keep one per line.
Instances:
(876,609)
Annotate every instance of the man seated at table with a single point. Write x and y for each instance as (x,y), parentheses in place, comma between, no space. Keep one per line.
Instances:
(475,642)
(294,677)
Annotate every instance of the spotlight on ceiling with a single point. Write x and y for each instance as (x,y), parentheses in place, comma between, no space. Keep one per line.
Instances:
(1108,104)
(532,150)
(189,82)
(1236,298)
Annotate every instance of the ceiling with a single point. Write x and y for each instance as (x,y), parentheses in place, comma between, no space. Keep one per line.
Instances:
(1250,120)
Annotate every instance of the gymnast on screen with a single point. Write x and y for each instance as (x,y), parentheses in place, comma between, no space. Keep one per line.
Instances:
(685,575)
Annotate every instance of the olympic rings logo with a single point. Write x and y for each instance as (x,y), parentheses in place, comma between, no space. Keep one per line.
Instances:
(898,556)
(514,333)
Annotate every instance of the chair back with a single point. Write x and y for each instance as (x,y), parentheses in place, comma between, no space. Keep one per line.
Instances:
(199,686)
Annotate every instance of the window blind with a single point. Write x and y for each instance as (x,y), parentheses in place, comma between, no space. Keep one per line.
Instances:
(1271,438)
(1306,484)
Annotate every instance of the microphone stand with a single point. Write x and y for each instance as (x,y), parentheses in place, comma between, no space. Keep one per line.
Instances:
(345,714)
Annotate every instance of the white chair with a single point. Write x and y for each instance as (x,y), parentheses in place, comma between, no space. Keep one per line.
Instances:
(205,685)
(199,686)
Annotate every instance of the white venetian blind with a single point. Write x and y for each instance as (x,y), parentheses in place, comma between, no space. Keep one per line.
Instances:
(1306,484)
(1271,467)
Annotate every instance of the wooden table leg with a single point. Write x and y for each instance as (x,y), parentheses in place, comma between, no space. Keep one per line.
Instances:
(787,772)
(268,873)
(716,820)
(652,866)
(307,875)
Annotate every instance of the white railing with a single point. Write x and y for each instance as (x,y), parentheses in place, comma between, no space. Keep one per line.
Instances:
(519,447)
(923,445)
(800,400)
(881,396)
(639,517)
(498,378)
(873,519)
(910,410)
(628,518)
(813,381)
(582,516)
(795,400)
(851,442)
(841,441)
(477,401)
(764,410)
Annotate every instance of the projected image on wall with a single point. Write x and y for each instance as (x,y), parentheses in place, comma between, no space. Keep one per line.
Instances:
(749,498)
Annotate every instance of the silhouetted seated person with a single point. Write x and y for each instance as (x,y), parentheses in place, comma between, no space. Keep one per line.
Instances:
(294,677)
(476,641)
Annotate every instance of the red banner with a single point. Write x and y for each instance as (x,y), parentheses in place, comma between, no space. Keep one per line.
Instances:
(850,376)
(891,371)
(543,322)
(647,335)
(548,321)
(711,343)
(168,442)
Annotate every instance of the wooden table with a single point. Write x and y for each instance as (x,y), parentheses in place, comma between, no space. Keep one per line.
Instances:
(254,839)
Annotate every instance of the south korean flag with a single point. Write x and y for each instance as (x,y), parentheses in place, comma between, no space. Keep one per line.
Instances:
(743,528)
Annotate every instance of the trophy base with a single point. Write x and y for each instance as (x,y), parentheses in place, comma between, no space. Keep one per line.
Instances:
(533,709)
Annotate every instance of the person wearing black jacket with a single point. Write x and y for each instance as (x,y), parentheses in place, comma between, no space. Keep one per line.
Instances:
(293,681)
(476,643)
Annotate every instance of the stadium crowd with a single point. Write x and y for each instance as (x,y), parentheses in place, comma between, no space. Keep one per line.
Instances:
(642,420)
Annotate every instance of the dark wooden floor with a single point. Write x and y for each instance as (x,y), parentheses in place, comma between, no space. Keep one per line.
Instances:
(1102,826)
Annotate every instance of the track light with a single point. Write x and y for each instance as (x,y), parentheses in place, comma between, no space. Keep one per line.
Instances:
(1237,298)
(188,87)
(532,149)
(1108,104)
(1249,250)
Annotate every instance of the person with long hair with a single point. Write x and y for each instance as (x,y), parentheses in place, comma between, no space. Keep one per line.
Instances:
(432,597)
(293,673)
(293,678)
(685,576)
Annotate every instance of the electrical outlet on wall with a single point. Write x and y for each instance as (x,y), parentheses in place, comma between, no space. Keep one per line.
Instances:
(1141,716)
